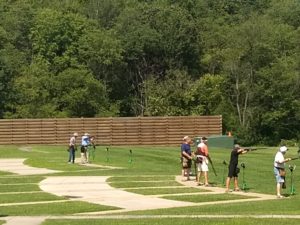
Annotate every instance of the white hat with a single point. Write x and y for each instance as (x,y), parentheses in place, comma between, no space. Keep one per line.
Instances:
(283,149)
(75,134)
(86,134)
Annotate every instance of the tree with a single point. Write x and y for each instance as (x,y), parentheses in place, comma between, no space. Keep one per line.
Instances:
(55,38)
(155,38)
(71,93)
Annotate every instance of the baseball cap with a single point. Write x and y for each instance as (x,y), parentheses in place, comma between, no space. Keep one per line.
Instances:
(283,149)
(237,146)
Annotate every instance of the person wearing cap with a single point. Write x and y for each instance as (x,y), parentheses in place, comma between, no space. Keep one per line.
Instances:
(85,141)
(279,171)
(233,167)
(72,148)
(202,154)
(186,156)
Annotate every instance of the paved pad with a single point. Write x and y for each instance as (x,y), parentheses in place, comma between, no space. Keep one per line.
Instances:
(94,189)
(17,166)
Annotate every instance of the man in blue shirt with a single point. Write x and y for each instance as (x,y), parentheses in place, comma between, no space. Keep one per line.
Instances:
(186,156)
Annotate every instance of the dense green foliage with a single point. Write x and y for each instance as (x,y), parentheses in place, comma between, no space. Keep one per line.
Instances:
(86,58)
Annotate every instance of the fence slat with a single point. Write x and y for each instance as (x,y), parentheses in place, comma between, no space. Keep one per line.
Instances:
(109,130)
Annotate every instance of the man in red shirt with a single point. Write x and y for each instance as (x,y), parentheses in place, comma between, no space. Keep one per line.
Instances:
(202,154)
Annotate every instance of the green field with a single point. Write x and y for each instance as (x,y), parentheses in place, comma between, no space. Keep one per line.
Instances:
(152,172)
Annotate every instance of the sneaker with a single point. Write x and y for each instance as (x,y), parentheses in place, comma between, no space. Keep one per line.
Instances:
(280,196)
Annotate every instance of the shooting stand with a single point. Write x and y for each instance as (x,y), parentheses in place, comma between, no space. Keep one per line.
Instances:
(130,156)
(107,155)
(224,169)
(293,190)
(244,184)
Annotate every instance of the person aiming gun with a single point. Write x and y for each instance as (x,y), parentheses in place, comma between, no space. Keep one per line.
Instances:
(279,170)
(202,161)
(233,169)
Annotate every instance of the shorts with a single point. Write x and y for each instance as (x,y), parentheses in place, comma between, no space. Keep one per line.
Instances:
(186,163)
(203,166)
(83,149)
(233,171)
(279,179)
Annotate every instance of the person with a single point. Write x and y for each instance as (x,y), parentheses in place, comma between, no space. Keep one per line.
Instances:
(279,171)
(202,159)
(72,148)
(91,148)
(85,141)
(186,157)
(233,169)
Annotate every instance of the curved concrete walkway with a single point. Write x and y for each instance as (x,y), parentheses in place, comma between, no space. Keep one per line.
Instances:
(94,189)
(17,166)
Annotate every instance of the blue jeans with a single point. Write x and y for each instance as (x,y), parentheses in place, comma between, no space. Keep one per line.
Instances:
(71,154)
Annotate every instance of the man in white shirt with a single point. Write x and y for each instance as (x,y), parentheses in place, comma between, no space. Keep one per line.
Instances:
(279,163)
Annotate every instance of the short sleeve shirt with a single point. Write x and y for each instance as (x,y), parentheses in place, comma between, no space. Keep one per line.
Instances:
(85,140)
(203,149)
(234,157)
(72,141)
(186,148)
(279,160)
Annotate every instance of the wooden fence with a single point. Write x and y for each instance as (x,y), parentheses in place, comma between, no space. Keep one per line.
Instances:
(109,130)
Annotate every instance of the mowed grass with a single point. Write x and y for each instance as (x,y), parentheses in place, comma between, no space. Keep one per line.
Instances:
(18,187)
(133,184)
(288,206)
(20,179)
(140,178)
(55,208)
(28,197)
(173,221)
(152,171)
(206,198)
(166,190)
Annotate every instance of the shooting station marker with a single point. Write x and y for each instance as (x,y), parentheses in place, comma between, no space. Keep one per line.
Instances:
(130,156)
(107,154)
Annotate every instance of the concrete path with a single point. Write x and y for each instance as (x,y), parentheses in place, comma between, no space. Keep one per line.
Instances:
(17,166)
(37,220)
(94,189)
(220,190)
